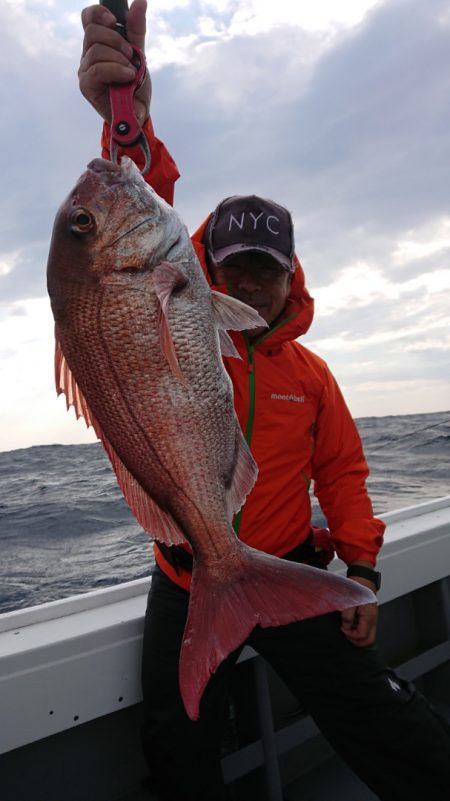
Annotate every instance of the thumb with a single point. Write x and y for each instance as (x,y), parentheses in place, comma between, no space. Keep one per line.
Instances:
(348,617)
(136,25)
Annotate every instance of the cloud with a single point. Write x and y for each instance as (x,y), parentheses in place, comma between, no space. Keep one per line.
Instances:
(352,140)
(338,111)
(28,400)
(385,397)
(48,135)
(428,241)
(361,285)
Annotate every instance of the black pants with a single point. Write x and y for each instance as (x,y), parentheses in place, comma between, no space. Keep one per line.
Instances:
(380,725)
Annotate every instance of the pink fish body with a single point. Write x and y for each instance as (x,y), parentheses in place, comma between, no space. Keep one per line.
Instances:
(139,337)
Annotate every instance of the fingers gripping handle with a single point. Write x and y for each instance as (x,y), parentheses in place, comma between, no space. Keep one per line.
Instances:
(125,128)
(120,10)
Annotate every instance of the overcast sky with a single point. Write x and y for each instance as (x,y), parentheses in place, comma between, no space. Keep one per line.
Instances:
(339,111)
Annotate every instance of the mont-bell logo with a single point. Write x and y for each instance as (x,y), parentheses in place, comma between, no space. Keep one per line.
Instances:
(291,398)
(255,222)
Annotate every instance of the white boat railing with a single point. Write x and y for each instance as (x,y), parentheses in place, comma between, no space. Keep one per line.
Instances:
(71,661)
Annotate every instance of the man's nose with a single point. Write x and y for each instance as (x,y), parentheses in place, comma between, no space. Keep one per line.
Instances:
(248,281)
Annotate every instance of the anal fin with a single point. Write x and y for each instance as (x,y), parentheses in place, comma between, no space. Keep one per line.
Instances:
(245,475)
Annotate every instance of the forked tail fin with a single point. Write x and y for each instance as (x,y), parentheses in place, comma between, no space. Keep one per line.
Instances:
(268,592)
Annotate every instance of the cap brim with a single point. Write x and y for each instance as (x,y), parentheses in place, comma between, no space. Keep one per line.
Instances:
(224,253)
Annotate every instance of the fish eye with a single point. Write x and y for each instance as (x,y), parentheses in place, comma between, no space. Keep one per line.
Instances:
(81,221)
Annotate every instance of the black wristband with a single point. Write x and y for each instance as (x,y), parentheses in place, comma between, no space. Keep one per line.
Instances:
(366,573)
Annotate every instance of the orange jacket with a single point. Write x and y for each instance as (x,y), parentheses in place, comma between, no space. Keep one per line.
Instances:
(299,429)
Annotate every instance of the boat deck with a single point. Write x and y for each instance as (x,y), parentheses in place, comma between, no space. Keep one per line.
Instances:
(332,781)
(314,787)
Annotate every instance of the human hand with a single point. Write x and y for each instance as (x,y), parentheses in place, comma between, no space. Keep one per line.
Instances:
(359,624)
(106,58)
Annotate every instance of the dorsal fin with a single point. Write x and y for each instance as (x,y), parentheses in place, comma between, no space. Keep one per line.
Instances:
(66,384)
(157,522)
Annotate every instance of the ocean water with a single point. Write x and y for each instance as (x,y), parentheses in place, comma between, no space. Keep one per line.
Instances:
(65,528)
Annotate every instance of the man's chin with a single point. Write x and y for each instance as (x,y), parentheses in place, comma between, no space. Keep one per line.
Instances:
(253,333)
(262,310)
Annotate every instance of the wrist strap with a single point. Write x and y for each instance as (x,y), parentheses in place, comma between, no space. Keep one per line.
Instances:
(366,573)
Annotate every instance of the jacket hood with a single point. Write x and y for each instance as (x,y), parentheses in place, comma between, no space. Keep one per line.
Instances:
(299,311)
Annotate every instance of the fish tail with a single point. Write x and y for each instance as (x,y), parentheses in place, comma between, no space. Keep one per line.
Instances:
(267,592)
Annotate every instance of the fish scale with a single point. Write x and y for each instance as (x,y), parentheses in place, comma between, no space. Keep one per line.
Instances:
(139,337)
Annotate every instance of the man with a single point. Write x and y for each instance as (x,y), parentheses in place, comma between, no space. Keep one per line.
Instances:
(299,429)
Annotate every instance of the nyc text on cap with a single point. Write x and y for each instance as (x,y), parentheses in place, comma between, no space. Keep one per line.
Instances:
(247,222)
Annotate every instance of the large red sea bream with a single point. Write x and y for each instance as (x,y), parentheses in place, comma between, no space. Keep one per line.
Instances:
(139,336)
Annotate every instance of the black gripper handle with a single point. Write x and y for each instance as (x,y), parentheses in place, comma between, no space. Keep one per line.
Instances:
(120,10)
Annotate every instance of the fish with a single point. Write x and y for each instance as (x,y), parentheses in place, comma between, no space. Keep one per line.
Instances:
(139,341)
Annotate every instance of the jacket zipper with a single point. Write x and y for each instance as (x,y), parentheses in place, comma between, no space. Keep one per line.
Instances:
(252,394)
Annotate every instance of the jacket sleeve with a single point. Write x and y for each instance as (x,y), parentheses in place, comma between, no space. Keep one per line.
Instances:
(340,472)
(163,171)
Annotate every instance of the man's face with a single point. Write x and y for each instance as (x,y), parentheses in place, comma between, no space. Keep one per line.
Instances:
(258,280)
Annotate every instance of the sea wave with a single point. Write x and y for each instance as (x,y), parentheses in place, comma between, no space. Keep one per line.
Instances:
(65,527)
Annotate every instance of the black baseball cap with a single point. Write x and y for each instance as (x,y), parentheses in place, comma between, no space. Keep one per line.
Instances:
(248,222)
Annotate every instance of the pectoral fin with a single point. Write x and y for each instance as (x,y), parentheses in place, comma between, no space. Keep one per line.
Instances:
(233,315)
(168,277)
